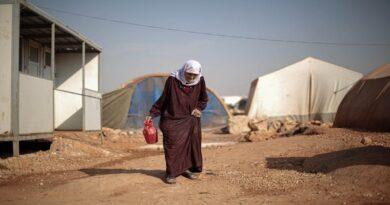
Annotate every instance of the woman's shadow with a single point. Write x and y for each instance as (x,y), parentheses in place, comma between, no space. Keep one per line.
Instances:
(100,171)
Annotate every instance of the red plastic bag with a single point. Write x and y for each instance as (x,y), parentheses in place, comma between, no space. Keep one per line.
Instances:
(150,132)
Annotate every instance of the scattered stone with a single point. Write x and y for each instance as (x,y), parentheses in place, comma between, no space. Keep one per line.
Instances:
(258,136)
(367,195)
(292,129)
(204,192)
(258,125)
(289,128)
(366,140)
(238,125)
(275,126)
(117,131)
(327,125)
(316,122)
(209,172)
(262,130)
(311,131)
(123,133)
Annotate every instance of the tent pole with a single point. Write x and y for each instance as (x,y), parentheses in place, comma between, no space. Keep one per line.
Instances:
(309,107)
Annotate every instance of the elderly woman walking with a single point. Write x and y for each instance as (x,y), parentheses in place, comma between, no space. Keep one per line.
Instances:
(180,106)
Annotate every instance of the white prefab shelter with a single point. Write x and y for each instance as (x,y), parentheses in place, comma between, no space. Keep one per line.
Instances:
(310,89)
(49,75)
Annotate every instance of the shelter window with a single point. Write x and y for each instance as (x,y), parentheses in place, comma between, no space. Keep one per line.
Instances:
(33,50)
(47,59)
(21,55)
(33,54)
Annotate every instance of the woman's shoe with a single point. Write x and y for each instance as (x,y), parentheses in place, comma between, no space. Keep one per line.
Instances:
(189,175)
(170,180)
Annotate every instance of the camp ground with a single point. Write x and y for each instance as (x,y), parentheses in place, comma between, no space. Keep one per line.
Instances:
(297,109)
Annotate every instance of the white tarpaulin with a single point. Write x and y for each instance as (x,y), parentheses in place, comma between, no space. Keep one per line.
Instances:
(310,89)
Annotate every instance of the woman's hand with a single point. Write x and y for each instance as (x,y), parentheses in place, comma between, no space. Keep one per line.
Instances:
(196,113)
(148,118)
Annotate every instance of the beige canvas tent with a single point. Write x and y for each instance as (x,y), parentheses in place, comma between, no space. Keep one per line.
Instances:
(367,104)
(310,89)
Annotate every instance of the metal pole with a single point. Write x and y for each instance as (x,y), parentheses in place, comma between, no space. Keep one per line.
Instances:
(53,67)
(309,108)
(15,77)
(83,82)
(101,101)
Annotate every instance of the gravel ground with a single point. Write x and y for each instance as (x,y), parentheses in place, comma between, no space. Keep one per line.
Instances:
(338,166)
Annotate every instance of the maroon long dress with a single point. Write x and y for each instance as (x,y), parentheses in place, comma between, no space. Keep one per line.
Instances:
(181,131)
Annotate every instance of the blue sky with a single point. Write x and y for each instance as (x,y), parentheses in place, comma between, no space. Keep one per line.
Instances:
(229,65)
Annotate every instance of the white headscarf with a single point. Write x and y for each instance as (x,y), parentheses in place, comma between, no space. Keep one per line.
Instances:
(191,66)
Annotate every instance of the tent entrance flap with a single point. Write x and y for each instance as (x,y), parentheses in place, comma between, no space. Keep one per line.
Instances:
(115,107)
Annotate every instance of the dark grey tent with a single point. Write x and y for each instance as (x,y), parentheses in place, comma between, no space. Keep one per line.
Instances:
(367,104)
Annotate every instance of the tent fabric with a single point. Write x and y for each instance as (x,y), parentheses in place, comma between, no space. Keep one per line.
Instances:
(115,106)
(126,108)
(310,89)
(367,104)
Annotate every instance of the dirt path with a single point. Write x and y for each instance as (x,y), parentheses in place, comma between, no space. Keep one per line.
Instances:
(332,168)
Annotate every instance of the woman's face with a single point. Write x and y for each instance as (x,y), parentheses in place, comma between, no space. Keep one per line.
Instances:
(190,77)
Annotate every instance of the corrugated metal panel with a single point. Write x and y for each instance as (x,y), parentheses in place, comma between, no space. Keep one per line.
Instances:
(36,24)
